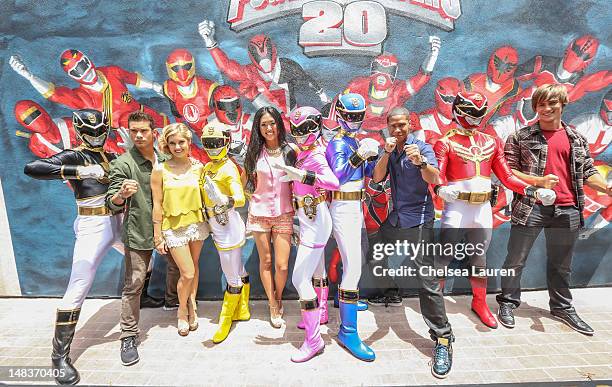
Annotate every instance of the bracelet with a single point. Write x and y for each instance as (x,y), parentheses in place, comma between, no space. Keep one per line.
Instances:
(158,240)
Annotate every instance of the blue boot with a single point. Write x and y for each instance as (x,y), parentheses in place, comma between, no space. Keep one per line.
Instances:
(361,306)
(348,335)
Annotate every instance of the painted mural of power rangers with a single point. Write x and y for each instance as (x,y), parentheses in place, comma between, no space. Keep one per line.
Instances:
(312,178)
(100,88)
(227,109)
(435,122)
(382,91)
(96,228)
(597,206)
(348,159)
(268,80)
(223,193)
(498,84)
(47,136)
(189,95)
(467,158)
(569,70)
(596,127)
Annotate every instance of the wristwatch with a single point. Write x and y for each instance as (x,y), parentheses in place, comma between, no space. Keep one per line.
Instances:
(423,162)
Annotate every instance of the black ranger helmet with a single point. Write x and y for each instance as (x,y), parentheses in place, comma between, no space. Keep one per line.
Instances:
(91,126)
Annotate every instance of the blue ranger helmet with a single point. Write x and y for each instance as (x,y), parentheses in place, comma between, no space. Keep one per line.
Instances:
(350,110)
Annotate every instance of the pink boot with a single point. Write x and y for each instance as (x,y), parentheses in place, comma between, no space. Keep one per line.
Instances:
(313,343)
(322,290)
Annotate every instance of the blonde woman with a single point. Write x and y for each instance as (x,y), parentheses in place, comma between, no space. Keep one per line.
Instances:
(179,226)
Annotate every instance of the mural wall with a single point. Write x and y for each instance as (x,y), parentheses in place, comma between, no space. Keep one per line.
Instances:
(171,58)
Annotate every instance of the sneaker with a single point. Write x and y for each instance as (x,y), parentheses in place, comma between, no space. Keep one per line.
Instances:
(170,306)
(394,300)
(129,353)
(150,302)
(442,358)
(572,320)
(505,315)
(379,300)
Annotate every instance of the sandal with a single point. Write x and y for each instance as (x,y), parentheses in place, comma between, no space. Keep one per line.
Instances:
(276,319)
(193,318)
(182,324)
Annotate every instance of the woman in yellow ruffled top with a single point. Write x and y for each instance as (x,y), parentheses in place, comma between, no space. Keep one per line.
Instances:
(179,226)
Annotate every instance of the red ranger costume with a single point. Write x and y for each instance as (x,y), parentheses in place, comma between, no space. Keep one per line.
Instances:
(498,84)
(104,88)
(467,158)
(596,127)
(48,136)
(268,80)
(189,94)
(228,110)
(382,91)
(569,71)
(437,121)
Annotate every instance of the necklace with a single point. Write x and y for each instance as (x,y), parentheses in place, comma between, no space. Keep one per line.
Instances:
(273,152)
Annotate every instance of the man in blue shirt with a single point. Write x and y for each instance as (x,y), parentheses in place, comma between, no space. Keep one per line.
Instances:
(411,165)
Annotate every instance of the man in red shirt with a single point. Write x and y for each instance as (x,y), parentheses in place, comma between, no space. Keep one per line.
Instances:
(548,154)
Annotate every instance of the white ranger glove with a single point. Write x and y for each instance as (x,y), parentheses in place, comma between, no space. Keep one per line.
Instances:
(213,192)
(448,194)
(207,31)
(90,172)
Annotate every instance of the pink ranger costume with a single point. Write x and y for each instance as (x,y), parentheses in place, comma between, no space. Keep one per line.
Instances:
(311,177)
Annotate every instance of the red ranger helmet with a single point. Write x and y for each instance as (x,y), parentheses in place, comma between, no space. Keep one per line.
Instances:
(181,66)
(79,67)
(469,108)
(383,71)
(445,93)
(262,53)
(33,117)
(502,64)
(227,106)
(580,53)
(606,108)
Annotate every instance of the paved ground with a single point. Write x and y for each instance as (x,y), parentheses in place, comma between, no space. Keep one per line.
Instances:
(538,349)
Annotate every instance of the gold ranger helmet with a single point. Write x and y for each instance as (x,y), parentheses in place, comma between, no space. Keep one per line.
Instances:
(216,140)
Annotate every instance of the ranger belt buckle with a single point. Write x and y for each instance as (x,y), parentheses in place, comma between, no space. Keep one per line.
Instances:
(220,212)
(310,206)
(478,197)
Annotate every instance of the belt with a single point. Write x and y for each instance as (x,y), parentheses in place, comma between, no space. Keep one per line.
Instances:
(94,211)
(354,195)
(211,212)
(309,200)
(475,197)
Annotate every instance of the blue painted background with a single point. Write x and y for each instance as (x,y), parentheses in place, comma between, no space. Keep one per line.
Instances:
(139,35)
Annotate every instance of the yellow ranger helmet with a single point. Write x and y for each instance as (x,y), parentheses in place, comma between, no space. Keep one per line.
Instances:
(216,140)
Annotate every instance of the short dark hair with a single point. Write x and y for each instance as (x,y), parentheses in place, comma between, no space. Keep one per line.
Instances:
(398,111)
(139,116)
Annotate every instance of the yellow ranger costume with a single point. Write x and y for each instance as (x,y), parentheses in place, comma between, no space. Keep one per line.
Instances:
(222,192)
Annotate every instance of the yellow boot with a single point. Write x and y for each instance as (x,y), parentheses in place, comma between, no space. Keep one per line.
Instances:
(230,304)
(242,312)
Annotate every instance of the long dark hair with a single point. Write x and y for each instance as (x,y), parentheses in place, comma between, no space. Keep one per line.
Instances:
(257,142)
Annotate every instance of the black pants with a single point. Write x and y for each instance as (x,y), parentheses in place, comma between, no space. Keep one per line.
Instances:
(431,298)
(561,226)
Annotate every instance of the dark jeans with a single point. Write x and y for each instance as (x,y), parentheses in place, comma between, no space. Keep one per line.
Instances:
(431,298)
(561,226)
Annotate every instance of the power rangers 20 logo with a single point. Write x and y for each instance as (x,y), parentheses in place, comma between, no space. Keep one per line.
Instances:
(346,27)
